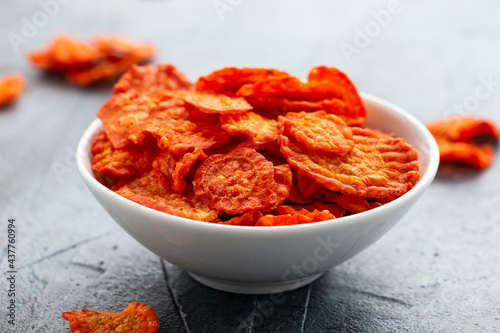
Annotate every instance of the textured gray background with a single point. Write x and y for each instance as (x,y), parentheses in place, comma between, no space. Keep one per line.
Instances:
(436,271)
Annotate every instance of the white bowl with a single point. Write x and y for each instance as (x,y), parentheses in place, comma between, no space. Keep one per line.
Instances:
(257,260)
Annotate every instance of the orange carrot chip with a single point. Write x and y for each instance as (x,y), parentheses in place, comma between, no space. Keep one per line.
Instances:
(319,131)
(229,79)
(11,87)
(123,111)
(258,129)
(175,167)
(299,217)
(129,161)
(455,138)
(247,219)
(152,189)
(211,103)
(152,80)
(342,88)
(236,182)
(136,317)
(376,167)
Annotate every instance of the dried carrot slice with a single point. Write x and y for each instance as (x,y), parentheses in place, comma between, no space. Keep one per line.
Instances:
(11,87)
(229,79)
(247,219)
(175,167)
(153,190)
(152,80)
(258,129)
(129,161)
(136,317)
(376,167)
(280,190)
(319,131)
(123,111)
(299,217)
(212,103)
(66,52)
(332,79)
(307,186)
(455,138)
(236,182)
(175,134)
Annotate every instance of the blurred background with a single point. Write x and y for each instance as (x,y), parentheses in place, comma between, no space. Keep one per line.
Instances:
(432,58)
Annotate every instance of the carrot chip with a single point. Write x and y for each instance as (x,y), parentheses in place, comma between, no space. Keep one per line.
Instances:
(455,138)
(236,182)
(11,87)
(376,166)
(136,317)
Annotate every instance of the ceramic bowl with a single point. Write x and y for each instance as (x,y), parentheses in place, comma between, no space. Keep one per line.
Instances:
(257,260)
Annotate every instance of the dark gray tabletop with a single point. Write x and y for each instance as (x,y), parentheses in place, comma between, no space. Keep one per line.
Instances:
(438,270)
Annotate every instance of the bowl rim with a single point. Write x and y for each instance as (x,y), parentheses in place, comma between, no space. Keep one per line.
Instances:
(83,156)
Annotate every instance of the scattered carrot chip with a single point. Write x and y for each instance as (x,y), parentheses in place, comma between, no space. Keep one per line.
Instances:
(236,182)
(455,138)
(258,129)
(84,63)
(11,87)
(376,167)
(153,190)
(136,317)
(228,80)
(319,131)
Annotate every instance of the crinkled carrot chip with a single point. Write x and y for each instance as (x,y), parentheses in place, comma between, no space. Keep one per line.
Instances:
(212,103)
(258,129)
(246,219)
(319,131)
(229,79)
(122,112)
(153,190)
(129,161)
(376,166)
(84,63)
(235,182)
(11,87)
(176,134)
(175,167)
(136,317)
(280,190)
(455,138)
(152,80)
(299,217)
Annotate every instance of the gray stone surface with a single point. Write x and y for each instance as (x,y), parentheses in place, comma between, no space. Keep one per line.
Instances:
(436,271)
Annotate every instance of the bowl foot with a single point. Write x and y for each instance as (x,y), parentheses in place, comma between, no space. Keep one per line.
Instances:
(254,288)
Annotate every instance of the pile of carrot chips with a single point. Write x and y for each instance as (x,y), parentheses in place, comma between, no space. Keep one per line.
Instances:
(248,146)
(84,63)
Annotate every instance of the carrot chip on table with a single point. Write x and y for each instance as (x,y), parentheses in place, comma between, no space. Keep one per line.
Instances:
(455,138)
(84,63)
(11,87)
(136,317)
(248,146)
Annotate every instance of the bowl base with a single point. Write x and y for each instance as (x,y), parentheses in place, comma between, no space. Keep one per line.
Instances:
(254,288)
